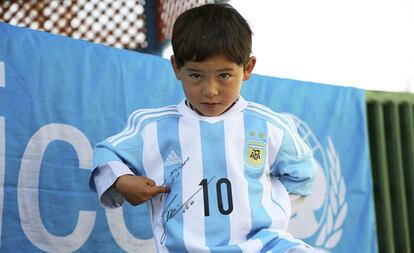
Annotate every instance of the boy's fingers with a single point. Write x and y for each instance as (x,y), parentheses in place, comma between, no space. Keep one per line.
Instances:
(161,189)
(150,182)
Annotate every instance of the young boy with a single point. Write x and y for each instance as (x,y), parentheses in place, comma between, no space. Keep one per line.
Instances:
(216,169)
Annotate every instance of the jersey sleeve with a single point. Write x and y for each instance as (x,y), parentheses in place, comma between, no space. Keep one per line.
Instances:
(102,179)
(294,163)
(116,156)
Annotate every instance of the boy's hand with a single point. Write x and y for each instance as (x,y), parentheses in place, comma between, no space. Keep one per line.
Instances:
(137,189)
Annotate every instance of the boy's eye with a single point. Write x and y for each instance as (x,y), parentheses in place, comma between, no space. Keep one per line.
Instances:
(195,76)
(224,76)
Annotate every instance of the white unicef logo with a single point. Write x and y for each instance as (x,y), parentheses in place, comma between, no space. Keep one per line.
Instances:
(324,212)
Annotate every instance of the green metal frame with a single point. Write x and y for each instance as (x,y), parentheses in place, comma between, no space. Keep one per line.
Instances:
(391,134)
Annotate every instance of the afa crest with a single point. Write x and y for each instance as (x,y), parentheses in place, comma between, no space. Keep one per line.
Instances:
(255,153)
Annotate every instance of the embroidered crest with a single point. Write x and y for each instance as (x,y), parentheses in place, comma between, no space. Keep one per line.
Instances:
(255,153)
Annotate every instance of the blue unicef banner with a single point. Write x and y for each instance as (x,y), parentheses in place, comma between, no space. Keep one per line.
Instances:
(59,96)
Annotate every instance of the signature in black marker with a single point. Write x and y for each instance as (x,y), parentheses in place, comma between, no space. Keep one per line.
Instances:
(176,172)
(173,175)
(170,212)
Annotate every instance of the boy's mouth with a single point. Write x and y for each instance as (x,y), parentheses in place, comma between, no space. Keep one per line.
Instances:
(210,104)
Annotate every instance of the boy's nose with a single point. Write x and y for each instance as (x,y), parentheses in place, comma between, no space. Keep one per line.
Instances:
(210,89)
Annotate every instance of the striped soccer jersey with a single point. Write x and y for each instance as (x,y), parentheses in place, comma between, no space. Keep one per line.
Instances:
(229,175)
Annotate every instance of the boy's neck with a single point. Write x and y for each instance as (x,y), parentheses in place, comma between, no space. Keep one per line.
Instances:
(199,113)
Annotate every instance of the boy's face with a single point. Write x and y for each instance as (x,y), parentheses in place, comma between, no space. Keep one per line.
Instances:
(212,85)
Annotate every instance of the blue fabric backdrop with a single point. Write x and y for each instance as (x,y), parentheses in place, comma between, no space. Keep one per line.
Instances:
(59,96)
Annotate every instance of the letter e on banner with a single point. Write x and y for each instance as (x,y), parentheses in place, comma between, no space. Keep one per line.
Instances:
(2,151)
(2,75)
(28,185)
(2,169)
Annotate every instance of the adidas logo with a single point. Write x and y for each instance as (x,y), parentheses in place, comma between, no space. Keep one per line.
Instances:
(172,158)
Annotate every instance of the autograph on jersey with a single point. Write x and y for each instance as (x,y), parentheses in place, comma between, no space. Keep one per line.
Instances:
(172,209)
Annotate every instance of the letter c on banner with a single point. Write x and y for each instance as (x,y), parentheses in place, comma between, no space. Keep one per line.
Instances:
(123,237)
(28,184)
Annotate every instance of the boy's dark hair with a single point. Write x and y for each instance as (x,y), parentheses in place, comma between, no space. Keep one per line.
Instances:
(210,30)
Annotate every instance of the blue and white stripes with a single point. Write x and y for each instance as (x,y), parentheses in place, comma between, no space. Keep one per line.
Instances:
(285,122)
(136,120)
(222,197)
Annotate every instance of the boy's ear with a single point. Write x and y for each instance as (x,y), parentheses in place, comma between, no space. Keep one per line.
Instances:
(175,67)
(249,68)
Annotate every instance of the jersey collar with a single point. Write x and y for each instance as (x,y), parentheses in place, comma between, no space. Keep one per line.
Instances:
(187,111)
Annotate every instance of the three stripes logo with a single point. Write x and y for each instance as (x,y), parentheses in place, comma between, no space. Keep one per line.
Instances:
(172,159)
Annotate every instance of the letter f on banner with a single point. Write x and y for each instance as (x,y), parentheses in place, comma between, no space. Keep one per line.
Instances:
(2,150)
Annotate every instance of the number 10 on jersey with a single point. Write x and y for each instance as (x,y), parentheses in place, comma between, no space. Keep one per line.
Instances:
(222,182)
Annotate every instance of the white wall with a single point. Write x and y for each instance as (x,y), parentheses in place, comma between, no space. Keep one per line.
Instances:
(362,43)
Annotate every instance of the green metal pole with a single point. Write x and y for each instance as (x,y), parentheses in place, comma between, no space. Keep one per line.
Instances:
(380,176)
(407,141)
(396,176)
